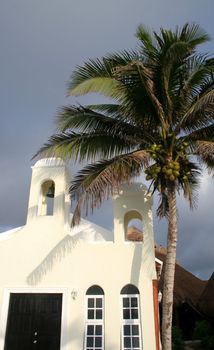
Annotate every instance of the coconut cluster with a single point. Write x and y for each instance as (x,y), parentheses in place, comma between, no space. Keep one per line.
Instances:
(170,170)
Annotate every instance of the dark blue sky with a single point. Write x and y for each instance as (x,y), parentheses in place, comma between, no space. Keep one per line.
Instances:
(41,42)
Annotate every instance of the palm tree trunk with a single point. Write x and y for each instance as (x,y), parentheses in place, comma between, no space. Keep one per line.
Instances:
(169,274)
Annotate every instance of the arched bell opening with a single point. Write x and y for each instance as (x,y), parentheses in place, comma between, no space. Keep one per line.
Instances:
(47,195)
(133,226)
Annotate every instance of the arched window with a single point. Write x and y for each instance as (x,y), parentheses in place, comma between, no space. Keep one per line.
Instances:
(94,327)
(133,226)
(131,329)
(95,290)
(46,205)
(129,289)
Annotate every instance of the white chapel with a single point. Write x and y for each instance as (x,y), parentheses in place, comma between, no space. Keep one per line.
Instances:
(81,288)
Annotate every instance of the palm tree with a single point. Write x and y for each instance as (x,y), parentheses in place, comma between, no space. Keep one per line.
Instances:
(160,120)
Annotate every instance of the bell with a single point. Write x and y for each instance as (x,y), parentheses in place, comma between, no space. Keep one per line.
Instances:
(51,191)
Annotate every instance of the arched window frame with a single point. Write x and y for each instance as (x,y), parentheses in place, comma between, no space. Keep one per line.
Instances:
(131,338)
(46,208)
(94,319)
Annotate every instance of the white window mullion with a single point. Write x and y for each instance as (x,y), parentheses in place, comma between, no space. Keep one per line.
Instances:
(131,332)
(94,328)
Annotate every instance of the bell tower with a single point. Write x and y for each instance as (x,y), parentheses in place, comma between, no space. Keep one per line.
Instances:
(132,214)
(49,199)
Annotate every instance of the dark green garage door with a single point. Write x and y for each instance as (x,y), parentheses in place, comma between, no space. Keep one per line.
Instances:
(34,322)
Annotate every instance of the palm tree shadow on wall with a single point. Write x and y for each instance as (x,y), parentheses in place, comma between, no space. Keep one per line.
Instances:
(64,247)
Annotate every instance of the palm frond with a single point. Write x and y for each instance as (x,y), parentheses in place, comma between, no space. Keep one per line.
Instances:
(192,78)
(86,146)
(190,186)
(198,74)
(174,48)
(146,38)
(99,68)
(205,151)
(85,118)
(91,69)
(109,109)
(194,34)
(138,69)
(104,85)
(190,191)
(201,134)
(96,182)
(201,112)
(122,58)
(163,208)
(88,120)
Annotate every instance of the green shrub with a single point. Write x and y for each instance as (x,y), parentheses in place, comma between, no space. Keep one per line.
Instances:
(204,331)
(177,339)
